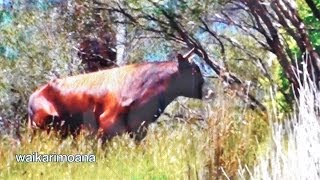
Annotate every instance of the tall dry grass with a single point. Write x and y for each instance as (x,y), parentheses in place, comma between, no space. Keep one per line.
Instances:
(294,146)
(173,149)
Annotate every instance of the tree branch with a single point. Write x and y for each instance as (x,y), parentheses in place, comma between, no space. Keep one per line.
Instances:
(231,79)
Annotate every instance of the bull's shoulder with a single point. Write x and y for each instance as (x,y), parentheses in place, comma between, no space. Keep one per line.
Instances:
(147,81)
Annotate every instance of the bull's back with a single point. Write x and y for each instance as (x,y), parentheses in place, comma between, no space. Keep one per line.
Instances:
(123,83)
(95,82)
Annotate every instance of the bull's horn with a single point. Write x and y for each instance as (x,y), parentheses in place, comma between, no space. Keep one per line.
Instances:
(187,56)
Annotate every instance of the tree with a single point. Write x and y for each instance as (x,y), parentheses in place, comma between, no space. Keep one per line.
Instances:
(273,26)
(168,22)
(42,51)
(314,8)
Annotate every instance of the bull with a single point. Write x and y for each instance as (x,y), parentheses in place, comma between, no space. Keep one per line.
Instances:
(122,99)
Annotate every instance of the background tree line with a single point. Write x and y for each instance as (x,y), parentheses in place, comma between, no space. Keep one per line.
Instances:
(253,50)
(249,45)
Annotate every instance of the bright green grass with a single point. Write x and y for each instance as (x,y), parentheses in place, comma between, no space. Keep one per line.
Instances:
(163,154)
(172,150)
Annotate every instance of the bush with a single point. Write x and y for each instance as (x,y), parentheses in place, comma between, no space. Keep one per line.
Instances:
(41,53)
(294,144)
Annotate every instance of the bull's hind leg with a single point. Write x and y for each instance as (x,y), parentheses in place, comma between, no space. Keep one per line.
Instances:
(110,125)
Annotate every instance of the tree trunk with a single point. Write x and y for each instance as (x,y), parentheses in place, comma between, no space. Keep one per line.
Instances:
(260,12)
(121,37)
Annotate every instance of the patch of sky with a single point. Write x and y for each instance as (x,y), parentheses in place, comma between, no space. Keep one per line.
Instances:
(56,2)
(205,69)
(204,37)
(201,35)
(6,4)
(9,53)
(218,26)
(171,5)
(38,4)
(5,18)
(41,5)
(161,55)
(152,24)
(158,55)
(46,4)
(222,27)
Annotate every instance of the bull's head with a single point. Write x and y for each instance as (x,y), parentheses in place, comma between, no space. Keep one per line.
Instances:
(190,80)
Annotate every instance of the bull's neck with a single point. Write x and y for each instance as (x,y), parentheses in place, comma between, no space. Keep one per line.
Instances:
(168,96)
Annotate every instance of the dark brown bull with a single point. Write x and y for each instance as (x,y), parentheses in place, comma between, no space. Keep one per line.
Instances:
(122,99)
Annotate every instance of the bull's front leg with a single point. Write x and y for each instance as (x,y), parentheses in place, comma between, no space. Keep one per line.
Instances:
(71,124)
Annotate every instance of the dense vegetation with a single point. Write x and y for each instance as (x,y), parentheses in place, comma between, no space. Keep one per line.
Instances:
(249,51)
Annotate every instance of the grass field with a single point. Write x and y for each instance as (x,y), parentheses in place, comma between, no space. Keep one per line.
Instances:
(227,145)
(293,149)
(171,150)
(160,156)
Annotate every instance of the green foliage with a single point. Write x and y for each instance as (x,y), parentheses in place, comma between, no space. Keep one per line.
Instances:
(31,50)
(170,150)
(43,44)
(312,25)
(311,22)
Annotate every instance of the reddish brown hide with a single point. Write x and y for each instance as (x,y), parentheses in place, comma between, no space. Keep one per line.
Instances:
(123,99)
